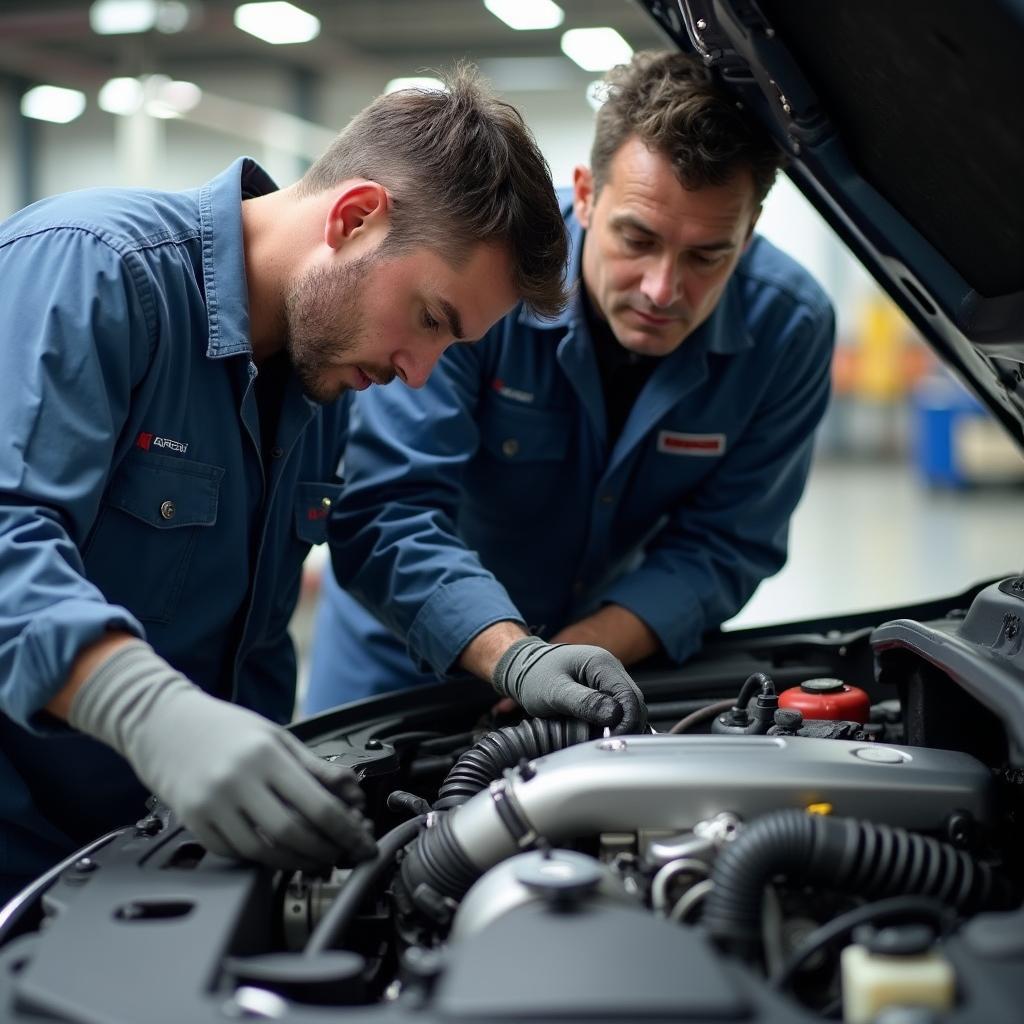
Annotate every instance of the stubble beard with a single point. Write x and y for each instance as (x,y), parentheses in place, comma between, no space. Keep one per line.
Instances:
(324,323)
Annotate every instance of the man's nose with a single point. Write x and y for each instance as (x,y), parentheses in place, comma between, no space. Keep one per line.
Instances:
(662,283)
(414,366)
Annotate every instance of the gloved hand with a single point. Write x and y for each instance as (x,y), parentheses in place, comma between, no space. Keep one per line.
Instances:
(245,787)
(574,680)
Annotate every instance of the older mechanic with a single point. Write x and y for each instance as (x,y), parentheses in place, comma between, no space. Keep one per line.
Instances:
(174,411)
(624,475)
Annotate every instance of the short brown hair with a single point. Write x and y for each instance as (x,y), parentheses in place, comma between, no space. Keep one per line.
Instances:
(461,168)
(671,103)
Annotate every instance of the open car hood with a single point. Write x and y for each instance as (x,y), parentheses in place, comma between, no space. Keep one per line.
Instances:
(902,122)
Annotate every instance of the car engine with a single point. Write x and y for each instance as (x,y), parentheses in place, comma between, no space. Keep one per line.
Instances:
(825,822)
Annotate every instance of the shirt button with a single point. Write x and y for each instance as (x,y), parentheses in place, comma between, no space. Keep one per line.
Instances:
(510,446)
(276,452)
(325,502)
(167,509)
(607,499)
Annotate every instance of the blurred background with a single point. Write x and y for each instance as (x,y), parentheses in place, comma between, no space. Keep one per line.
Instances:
(915,493)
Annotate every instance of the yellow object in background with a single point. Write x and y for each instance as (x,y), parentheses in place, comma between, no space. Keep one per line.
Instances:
(882,341)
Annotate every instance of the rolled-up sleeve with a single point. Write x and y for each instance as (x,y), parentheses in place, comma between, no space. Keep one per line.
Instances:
(707,560)
(77,339)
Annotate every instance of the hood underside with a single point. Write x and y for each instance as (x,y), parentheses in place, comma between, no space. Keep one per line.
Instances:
(902,124)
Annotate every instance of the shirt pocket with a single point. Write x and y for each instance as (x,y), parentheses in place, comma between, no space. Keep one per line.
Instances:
(516,434)
(141,546)
(313,504)
(520,470)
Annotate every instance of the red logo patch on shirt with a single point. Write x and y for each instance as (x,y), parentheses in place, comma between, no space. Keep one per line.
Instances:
(317,512)
(515,394)
(147,441)
(671,442)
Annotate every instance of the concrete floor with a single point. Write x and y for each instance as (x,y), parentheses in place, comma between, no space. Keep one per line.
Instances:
(871,535)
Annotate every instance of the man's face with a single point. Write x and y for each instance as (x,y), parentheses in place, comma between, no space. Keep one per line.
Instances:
(366,320)
(657,256)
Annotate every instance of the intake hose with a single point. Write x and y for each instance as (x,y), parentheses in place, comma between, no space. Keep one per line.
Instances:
(436,870)
(489,757)
(843,854)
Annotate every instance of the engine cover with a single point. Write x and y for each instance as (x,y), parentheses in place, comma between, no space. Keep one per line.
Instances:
(652,782)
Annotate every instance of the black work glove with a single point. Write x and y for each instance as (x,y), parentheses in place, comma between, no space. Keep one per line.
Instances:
(571,680)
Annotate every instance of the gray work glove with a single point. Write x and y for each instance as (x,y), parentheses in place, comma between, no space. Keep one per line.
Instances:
(245,787)
(574,680)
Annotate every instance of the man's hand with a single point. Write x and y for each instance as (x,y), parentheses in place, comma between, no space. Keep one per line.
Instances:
(572,680)
(245,787)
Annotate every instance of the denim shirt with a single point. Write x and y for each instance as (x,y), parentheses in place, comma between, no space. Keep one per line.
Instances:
(133,492)
(493,493)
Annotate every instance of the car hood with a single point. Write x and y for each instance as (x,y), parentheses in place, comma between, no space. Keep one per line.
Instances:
(902,123)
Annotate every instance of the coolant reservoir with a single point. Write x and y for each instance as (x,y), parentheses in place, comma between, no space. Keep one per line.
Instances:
(915,975)
(828,698)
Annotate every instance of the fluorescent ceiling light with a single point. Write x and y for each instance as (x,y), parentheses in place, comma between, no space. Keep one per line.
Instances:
(52,103)
(121,96)
(527,14)
(172,16)
(277,22)
(596,49)
(161,96)
(119,17)
(172,99)
(122,17)
(431,84)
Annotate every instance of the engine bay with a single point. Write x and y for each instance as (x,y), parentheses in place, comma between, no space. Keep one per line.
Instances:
(825,822)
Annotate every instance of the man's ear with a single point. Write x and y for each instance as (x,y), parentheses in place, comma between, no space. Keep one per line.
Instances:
(582,194)
(357,210)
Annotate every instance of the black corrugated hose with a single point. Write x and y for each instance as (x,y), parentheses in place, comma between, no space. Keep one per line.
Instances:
(486,760)
(436,866)
(845,855)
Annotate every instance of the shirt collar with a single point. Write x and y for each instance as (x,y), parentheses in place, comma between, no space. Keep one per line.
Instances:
(220,220)
(724,332)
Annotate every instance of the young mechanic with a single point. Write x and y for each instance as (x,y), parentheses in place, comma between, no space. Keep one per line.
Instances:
(623,476)
(177,369)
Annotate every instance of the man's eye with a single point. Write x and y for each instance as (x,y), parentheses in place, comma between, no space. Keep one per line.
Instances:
(703,260)
(429,322)
(635,242)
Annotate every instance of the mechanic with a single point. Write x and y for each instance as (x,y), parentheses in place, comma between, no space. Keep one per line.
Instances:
(178,367)
(623,476)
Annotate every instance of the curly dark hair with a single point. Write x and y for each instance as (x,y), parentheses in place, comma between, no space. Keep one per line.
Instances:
(672,104)
(461,168)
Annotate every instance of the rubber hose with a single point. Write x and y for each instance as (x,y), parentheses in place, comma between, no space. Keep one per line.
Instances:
(756,682)
(478,767)
(436,867)
(859,857)
(336,921)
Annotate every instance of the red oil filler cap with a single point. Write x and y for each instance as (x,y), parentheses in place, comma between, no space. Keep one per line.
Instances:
(828,698)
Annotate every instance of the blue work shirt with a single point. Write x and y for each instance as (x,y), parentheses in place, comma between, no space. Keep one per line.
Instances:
(134,494)
(493,493)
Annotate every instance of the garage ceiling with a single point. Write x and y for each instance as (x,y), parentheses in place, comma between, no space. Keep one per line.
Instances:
(50,40)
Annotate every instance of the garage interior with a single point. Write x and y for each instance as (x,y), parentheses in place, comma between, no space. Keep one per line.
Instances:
(915,490)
